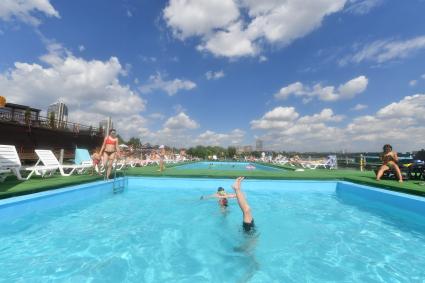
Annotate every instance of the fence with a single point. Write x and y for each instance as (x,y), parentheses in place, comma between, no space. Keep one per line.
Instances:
(46,122)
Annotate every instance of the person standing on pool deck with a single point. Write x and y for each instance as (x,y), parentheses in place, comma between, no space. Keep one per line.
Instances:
(248,222)
(161,158)
(109,151)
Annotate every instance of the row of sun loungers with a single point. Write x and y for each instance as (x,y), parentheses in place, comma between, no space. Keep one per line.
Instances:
(46,165)
(329,163)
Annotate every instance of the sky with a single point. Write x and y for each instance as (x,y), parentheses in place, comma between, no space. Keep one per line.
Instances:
(301,75)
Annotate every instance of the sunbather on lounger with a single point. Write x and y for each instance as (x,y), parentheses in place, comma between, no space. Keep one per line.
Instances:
(389,159)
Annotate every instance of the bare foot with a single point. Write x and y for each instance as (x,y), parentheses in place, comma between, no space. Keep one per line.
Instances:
(400,181)
(237,184)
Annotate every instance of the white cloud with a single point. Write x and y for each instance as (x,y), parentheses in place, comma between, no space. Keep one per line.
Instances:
(232,28)
(180,121)
(410,106)
(263,59)
(386,50)
(278,118)
(328,93)
(326,115)
(199,17)
(157,116)
(423,76)
(91,89)
(413,82)
(81,48)
(186,138)
(210,75)
(176,131)
(231,42)
(400,123)
(285,129)
(26,10)
(296,89)
(150,59)
(171,87)
(359,107)
(362,7)
(212,138)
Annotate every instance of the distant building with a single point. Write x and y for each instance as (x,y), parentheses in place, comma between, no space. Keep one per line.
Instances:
(16,112)
(60,111)
(259,145)
(247,148)
(106,125)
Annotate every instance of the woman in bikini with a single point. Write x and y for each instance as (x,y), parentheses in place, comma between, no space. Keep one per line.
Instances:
(389,159)
(110,150)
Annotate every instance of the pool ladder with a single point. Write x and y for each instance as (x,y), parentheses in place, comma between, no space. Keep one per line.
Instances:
(120,182)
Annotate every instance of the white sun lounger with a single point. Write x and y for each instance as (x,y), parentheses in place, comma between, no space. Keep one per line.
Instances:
(10,163)
(49,159)
(330,163)
(82,157)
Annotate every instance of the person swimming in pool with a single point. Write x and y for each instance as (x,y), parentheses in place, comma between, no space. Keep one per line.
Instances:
(222,197)
(247,219)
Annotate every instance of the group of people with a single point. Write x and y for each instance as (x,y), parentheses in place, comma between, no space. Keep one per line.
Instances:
(110,151)
(388,157)
(222,196)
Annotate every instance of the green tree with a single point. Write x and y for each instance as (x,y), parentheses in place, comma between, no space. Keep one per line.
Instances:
(120,139)
(420,155)
(134,142)
(231,151)
(52,120)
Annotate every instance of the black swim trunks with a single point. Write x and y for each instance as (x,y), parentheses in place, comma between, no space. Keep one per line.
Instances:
(248,227)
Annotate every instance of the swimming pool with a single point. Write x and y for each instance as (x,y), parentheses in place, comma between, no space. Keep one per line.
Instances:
(237,166)
(158,230)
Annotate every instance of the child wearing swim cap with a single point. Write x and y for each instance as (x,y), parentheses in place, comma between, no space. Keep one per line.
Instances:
(222,197)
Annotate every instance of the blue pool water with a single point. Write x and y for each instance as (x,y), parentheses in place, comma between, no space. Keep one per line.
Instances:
(160,231)
(240,166)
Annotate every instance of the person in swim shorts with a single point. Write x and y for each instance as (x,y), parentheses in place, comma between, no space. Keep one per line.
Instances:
(247,219)
(222,197)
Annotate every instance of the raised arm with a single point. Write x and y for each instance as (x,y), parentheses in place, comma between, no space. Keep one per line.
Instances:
(209,196)
(230,196)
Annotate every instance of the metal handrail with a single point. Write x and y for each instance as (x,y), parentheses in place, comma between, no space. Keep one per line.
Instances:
(46,122)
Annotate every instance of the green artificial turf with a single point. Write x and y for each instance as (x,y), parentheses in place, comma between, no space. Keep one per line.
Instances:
(12,187)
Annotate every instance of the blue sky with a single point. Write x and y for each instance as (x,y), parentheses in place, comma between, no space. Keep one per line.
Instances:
(299,74)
